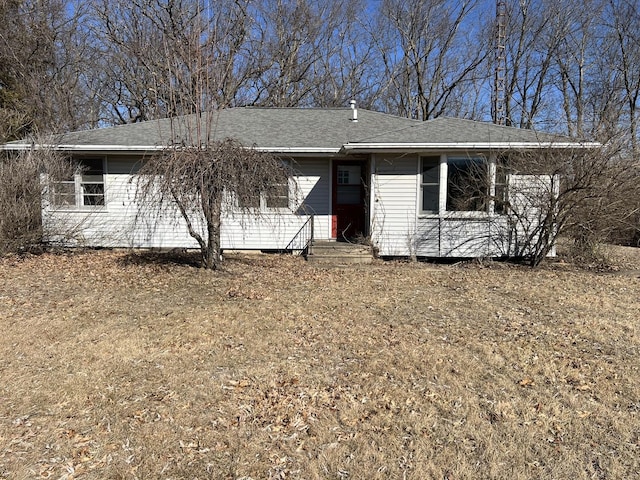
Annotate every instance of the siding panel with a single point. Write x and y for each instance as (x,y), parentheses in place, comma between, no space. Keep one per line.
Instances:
(393,223)
(121,224)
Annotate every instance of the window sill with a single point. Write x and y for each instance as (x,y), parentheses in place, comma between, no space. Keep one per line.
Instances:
(259,211)
(76,209)
(458,216)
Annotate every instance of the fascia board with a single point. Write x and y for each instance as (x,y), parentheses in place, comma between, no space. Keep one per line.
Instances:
(80,148)
(399,147)
(299,150)
(154,148)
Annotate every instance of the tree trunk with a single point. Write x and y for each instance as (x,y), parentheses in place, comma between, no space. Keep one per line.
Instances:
(212,254)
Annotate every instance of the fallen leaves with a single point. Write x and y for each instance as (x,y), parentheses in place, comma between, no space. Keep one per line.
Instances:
(277,368)
(526,382)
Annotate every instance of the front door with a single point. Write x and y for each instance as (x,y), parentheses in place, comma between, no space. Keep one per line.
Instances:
(349,212)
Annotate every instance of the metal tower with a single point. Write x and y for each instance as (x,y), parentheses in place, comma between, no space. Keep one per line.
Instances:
(499,114)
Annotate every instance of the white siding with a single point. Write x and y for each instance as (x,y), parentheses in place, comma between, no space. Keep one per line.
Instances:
(111,225)
(120,224)
(275,230)
(394,206)
(314,193)
(530,197)
(465,237)
(398,229)
(428,237)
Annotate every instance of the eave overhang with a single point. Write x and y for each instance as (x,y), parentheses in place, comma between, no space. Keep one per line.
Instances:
(346,149)
(150,149)
(464,146)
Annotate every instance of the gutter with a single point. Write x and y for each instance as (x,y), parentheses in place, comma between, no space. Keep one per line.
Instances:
(345,149)
(151,148)
(403,147)
(78,148)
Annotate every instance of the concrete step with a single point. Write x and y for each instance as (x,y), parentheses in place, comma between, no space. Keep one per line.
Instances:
(339,260)
(339,253)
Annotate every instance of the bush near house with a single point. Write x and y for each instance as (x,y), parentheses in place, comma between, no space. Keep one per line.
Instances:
(21,192)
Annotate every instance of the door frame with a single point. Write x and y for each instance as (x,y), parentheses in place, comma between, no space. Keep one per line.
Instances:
(363,215)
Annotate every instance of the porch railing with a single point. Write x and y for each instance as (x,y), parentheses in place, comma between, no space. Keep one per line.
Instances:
(302,241)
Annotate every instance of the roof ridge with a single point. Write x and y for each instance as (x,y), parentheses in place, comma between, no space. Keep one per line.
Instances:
(260,107)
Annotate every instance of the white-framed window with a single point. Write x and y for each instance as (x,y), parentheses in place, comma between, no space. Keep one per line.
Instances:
(84,188)
(459,184)
(500,186)
(252,201)
(430,184)
(467,184)
(275,197)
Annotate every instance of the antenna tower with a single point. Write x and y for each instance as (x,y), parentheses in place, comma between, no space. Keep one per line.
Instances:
(499,116)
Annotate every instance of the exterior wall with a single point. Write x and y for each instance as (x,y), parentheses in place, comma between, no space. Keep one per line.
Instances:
(531,197)
(454,236)
(394,204)
(112,225)
(120,223)
(309,196)
(400,229)
(396,225)
(314,193)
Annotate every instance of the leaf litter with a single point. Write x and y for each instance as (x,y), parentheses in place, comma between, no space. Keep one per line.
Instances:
(123,365)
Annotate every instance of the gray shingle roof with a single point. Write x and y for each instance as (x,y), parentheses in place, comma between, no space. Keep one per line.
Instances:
(263,127)
(458,130)
(291,129)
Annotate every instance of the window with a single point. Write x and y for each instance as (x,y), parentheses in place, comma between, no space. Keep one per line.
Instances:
(430,184)
(349,185)
(278,196)
(501,199)
(274,196)
(252,201)
(467,185)
(83,188)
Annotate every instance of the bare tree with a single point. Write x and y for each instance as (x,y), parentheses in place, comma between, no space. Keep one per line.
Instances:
(534,30)
(300,46)
(42,53)
(348,65)
(576,59)
(427,54)
(25,176)
(594,70)
(579,193)
(625,35)
(153,53)
(195,176)
(203,182)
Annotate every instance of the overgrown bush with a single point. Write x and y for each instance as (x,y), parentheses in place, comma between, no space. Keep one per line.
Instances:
(23,177)
(194,181)
(587,195)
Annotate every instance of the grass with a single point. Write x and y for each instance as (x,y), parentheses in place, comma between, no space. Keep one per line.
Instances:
(116,365)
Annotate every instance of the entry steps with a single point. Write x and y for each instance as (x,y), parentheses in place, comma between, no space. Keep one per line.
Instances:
(332,252)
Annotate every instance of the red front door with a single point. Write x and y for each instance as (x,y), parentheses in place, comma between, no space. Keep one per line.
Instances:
(349,212)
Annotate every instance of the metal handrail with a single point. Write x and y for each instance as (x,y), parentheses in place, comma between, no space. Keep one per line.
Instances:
(302,240)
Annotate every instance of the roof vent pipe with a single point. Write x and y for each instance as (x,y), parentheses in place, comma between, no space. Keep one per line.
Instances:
(354,111)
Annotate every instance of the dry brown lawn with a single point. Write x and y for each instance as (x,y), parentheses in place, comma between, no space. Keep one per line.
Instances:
(115,365)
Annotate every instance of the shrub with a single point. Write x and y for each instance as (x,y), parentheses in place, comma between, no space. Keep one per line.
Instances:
(23,175)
